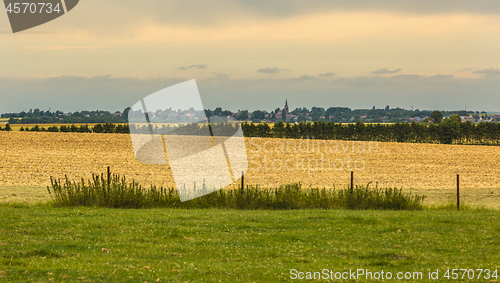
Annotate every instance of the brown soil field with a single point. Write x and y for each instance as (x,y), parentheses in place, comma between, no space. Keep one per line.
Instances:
(29,159)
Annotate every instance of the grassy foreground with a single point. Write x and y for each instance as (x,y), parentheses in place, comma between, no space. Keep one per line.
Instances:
(39,243)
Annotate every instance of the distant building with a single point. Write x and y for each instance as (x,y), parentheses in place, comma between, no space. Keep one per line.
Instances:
(285,114)
(468,118)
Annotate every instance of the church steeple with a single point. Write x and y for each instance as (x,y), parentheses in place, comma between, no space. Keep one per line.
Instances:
(285,113)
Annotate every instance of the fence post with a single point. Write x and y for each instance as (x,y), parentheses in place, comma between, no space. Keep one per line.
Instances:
(109,176)
(242,180)
(458,192)
(352,181)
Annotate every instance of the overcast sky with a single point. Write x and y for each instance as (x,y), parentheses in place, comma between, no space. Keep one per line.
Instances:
(252,54)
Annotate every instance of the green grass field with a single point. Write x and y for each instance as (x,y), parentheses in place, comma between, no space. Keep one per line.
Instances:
(39,243)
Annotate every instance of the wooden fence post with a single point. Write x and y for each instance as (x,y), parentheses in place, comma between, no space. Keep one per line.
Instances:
(242,180)
(352,181)
(109,176)
(458,192)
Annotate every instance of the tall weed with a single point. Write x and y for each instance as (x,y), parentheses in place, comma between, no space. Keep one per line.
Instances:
(118,193)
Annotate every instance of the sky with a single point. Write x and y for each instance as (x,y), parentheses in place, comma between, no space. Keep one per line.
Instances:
(253,54)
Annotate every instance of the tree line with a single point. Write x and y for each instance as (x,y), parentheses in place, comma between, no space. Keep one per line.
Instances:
(447,132)
(215,129)
(6,129)
(450,131)
(38,116)
(331,114)
(107,128)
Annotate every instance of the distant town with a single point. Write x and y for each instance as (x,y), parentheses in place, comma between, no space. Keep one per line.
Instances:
(333,114)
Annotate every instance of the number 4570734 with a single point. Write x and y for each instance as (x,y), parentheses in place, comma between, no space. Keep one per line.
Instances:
(33,8)
(471,273)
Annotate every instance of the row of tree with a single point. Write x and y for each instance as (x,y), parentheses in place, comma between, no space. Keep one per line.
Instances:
(215,129)
(450,131)
(46,117)
(99,128)
(331,114)
(222,129)
(7,128)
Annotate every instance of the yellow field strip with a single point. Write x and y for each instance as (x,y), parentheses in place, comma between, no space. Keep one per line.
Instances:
(29,159)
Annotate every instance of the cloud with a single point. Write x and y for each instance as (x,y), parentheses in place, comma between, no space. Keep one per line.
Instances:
(303,78)
(273,70)
(219,77)
(28,32)
(74,93)
(122,16)
(490,72)
(466,69)
(59,47)
(439,76)
(386,71)
(204,66)
(329,74)
(423,92)
(294,7)
(216,12)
